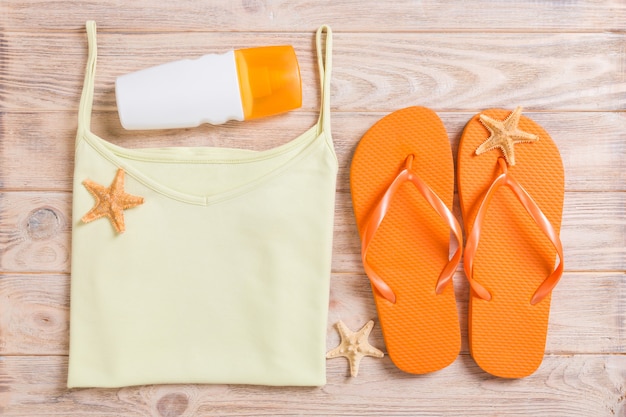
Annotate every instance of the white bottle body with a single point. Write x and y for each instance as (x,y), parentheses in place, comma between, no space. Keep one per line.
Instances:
(181,94)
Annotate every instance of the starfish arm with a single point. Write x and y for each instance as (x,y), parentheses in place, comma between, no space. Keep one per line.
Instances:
(340,350)
(95,189)
(125,200)
(335,353)
(98,192)
(364,346)
(492,125)
(343,330)
(117,220)
(509,152)
(131,201)
(372,351)
(366,330)
(118,182)
(485,147)
(511,125)
(521,136)
(355,361)
(512,120)
(91,215)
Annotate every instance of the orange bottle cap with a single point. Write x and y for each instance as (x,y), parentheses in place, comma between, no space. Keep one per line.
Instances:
(269,80)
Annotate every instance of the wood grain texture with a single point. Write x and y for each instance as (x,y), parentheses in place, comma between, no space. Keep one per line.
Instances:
(590,143)
(565,62)
(35,313)
(567,386)
(372,71)
(35,232)
(285,15)
(29,244)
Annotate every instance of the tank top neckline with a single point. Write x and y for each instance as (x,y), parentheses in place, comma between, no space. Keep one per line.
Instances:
(301,146)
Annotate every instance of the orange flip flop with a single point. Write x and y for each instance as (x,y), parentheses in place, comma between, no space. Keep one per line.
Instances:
(402,183)
(511,186)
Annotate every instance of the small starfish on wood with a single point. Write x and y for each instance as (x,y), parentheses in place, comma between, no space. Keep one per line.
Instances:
(111,201)
(504,135)
(354,346)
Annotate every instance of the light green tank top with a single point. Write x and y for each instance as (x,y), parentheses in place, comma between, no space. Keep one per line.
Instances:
(222,272)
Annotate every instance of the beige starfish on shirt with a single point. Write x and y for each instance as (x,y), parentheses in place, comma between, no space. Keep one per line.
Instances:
(111,201)
(354,346)
(504,135)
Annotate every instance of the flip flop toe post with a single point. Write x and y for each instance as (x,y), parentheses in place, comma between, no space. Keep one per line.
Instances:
(402,183)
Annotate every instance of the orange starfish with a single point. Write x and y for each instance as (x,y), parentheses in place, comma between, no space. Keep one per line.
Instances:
(504,135)
(111,201)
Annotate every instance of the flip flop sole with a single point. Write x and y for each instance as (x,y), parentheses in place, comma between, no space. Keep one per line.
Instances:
(507,334)
(411,246)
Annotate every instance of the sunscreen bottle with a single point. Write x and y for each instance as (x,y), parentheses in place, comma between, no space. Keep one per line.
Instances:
(237,85)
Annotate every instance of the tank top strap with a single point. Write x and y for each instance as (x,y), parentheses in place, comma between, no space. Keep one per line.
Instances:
(86,98)
(325,63)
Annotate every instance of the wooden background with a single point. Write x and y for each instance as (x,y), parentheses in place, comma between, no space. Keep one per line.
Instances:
(564,61)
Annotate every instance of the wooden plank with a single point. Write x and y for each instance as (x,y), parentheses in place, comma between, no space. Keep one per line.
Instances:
(35,319)
(35,232)
(571,386)
(372,72)
(34,314)
(283,15)
(39,148)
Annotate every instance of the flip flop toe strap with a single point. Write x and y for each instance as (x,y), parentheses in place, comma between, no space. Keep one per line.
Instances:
(471,246)
(378,214)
